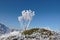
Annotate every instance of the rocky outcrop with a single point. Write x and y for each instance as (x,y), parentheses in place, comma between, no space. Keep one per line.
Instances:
(37,34)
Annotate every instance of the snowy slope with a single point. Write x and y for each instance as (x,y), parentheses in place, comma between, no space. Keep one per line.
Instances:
(17,35)
(3,29)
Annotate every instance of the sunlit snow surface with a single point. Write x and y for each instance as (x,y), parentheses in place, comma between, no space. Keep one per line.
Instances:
(16,35)
(5,36)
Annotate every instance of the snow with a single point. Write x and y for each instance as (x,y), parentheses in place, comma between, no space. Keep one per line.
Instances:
(19,36)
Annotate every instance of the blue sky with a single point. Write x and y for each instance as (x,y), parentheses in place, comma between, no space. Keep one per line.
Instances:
(47,12)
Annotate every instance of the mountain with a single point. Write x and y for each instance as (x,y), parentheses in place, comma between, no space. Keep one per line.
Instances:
(32,34)
(35,30)
(3,29)
(41,34)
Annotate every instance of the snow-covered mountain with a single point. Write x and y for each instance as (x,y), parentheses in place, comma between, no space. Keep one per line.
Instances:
(32,34)
(3,29)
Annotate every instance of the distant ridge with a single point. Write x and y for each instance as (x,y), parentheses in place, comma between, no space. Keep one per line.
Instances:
(4,29)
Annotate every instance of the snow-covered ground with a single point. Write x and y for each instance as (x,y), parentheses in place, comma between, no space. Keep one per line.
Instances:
(16,35)
(11,34)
